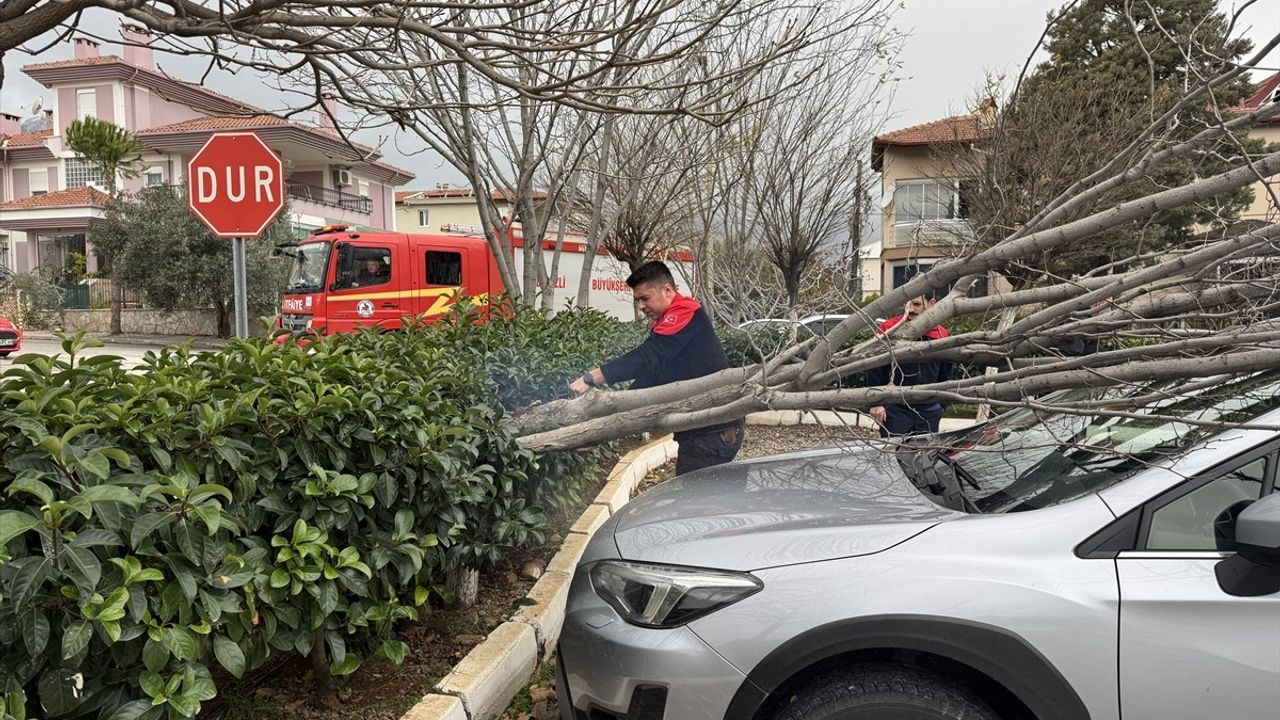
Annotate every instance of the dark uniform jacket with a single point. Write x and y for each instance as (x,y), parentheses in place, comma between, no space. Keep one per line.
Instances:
(681,345)
(912,373)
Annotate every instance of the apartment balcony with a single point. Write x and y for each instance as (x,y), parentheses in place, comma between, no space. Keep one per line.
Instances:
(318,195)
(931,233)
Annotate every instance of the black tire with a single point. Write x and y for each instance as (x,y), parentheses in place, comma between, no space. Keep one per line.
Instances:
(884,692)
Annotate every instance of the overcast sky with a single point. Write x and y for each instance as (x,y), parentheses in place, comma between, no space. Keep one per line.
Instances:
(952,46)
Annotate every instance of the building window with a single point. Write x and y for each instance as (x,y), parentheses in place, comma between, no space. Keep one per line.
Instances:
(444,268)
(81,172)
(154,176)
(917,201)
(39,182)
(86,103)
(904,271)
(423,216)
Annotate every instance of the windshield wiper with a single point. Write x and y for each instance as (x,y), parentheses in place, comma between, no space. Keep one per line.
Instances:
(947,489)
(958,471)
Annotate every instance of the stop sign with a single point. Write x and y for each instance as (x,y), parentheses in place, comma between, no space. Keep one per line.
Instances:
(235,184)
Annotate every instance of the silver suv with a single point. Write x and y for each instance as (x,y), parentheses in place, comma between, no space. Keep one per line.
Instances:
(1047,566)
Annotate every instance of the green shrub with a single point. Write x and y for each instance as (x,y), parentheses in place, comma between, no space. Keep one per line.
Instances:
(533,355)
(224,507)
(39,300)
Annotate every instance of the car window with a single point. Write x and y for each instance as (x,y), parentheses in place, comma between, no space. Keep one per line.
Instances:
(444,268)
(1204,519)
(361,267)
(1028,459)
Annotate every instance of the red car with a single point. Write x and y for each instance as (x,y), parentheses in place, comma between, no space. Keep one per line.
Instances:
(10,337)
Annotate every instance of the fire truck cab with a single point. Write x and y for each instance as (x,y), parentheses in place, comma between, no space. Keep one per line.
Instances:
(342,279)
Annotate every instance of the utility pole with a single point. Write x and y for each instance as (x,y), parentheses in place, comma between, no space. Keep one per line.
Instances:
(856,222)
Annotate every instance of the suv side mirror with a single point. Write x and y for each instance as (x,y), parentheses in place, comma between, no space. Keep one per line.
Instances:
(1255,570)
(1258,531)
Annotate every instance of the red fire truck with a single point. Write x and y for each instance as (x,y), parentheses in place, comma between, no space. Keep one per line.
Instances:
(342,279)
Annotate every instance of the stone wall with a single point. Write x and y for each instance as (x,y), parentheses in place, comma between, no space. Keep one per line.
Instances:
(186,323)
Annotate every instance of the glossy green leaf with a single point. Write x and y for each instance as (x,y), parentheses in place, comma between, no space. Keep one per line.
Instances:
(14,523)
(75,639)
(132,710)
(155,656)
(229,655)
(61,691)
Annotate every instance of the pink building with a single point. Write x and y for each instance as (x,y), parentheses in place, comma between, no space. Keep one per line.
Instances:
(49,198)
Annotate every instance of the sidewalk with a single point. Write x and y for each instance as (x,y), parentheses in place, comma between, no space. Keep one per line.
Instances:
(202,343)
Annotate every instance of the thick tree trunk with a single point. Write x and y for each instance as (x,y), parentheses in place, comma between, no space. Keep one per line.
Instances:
(727,403)
(117,308)
(223,311)
(320,664)
(464,584)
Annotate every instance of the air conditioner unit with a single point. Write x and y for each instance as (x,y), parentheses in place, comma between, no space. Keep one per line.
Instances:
(341,177)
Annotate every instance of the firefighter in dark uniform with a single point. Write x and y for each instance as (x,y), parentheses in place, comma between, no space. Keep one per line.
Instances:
(916,417)
(681,345)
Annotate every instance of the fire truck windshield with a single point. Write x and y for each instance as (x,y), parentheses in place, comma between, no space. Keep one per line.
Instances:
(310,264)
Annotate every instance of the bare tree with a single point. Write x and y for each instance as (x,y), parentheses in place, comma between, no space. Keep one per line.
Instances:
(803,188)
(481,83)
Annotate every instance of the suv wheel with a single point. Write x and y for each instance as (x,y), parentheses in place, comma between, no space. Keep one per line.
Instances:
(884,692)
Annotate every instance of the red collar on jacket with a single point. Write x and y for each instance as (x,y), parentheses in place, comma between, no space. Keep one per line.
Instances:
(677,316)
(937,333)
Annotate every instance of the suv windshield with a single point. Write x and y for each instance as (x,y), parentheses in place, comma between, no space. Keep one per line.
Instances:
(310,263)
(1027,459)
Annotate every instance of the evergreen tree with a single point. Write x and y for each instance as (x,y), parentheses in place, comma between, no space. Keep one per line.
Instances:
(167,254)
(1114,67)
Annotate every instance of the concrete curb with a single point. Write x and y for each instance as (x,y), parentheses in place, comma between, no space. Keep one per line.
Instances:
(484,682)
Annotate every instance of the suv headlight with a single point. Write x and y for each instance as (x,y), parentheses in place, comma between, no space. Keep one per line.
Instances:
(665,596)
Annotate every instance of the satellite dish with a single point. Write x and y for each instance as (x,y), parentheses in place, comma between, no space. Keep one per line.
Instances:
(37,106)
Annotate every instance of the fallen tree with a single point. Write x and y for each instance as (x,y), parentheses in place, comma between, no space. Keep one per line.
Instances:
(1183,312)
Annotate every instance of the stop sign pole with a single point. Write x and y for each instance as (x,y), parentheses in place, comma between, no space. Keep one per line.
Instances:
(236,188)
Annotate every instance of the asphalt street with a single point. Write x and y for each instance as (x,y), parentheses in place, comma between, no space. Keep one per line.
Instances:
(132,354)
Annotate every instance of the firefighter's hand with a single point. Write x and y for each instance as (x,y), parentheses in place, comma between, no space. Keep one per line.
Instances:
(579,387)
(878,414)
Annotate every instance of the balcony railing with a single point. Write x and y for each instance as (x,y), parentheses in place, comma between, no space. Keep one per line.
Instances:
(332,198)
(932,232)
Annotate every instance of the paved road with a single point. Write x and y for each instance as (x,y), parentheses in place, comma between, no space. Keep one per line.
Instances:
(132,354)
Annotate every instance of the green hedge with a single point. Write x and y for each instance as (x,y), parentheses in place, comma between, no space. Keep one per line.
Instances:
(220,508)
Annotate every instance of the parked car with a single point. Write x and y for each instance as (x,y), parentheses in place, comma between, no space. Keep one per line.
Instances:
(1046,566)
(10,337)
(811,325)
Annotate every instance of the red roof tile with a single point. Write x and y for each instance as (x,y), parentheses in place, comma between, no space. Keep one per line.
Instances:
(954,129)
(27,139)
(959,128)
(217,122)
(1265,91)
(246,122)
(95,60)
(75,197)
